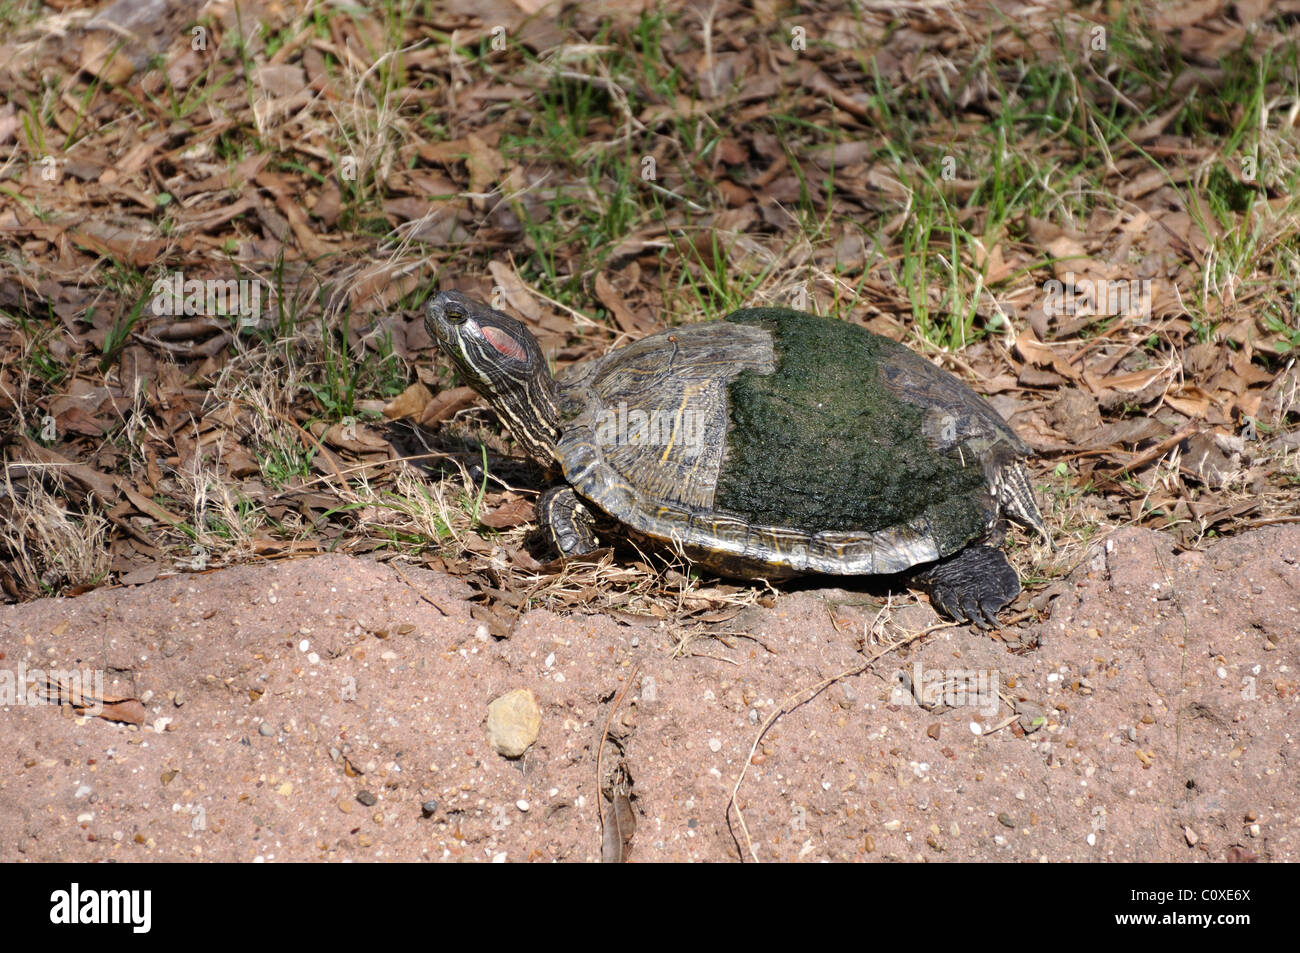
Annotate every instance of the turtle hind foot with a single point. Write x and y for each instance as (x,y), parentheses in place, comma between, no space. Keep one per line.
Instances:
(972,585)
(570,525)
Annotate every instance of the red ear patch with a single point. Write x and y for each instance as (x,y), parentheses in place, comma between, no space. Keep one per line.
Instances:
(504,343)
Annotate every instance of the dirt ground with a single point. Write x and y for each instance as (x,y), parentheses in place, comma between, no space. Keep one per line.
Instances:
(324,709)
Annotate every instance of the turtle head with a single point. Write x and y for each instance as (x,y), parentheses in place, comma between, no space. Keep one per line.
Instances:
(501,360)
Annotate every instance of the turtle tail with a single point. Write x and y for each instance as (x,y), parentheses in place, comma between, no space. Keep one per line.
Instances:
(1016,498)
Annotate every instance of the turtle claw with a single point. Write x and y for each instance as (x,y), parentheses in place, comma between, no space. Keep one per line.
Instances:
(972,585)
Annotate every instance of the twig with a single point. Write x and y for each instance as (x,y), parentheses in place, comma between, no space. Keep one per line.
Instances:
(1146,456)
(600,752)
(418,591)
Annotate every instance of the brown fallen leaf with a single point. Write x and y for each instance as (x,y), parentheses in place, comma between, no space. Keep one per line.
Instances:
(408,403)
(515,290)
(1036,352)
(721,615)
(509,514)
(620,826)
(136,245)
(1191,401)
(141,575)
(102,55)
(498,623)
(485,166)
(523,560)
(280,189)
(611,298)
(1211,458)
(355,437)
(129,711)
(446,404)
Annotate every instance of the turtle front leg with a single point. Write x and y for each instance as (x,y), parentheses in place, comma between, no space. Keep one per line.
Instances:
(570,523)
(971,585)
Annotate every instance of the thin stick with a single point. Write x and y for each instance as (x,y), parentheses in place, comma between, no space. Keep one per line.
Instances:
(418,591)
(1147,456)
(600,752)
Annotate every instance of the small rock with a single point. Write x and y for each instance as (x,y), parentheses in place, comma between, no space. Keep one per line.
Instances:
(1191,836)
(513,722)
(1006,820)
(265,729)
(429,808)
(367,799)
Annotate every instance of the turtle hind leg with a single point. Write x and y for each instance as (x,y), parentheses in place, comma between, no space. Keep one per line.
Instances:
(972,585)
(567,521)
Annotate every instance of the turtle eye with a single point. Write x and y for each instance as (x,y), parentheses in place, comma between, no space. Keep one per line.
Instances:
(454,312)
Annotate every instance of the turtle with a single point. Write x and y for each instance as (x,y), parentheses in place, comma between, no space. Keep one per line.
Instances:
(768,444)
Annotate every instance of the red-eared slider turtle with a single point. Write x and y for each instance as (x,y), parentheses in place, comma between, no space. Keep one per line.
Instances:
(768,444)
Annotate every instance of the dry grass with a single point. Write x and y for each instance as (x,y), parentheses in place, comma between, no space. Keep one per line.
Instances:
(53,547)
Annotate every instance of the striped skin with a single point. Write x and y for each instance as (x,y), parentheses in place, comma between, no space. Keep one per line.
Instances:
(500,359)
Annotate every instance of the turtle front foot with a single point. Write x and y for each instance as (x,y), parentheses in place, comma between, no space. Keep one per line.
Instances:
(972,585)
(570,524)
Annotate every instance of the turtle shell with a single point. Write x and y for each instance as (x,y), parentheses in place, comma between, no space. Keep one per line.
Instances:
(774,442)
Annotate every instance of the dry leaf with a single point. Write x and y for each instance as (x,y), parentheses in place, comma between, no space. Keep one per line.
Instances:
(446,404)
(1031,349)
(509,514)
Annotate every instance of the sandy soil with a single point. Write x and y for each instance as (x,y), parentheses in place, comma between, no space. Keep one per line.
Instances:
(323,708)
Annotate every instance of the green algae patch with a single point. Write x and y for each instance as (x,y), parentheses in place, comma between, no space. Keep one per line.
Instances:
(822,444)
